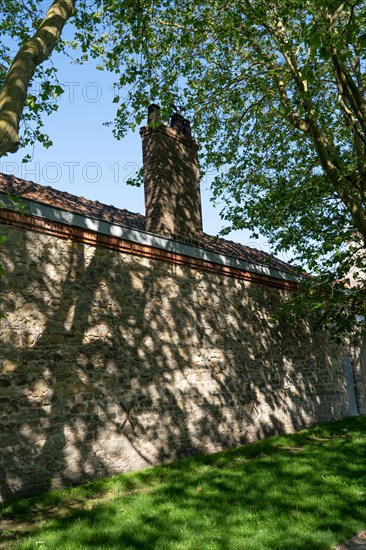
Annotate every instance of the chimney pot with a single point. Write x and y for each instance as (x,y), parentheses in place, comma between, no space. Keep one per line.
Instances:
(187,128)
(181,125)
(153,114)
(177,122)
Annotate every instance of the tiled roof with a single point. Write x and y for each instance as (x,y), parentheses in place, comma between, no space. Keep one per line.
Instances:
(94,209)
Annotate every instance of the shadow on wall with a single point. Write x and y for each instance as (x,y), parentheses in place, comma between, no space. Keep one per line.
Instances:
(112,363)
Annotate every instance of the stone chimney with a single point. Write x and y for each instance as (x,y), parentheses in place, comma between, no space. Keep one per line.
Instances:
(171,177)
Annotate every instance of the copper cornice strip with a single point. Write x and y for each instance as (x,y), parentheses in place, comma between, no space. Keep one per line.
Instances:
(41,225)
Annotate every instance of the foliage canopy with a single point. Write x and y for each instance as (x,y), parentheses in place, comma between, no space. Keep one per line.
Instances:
(276,94)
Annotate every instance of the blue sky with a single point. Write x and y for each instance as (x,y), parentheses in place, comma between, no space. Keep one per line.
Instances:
(87,160)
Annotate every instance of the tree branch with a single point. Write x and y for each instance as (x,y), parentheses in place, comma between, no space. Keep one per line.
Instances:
(293,116)
(325,149)
(32,54)
(359,139)
(349,89)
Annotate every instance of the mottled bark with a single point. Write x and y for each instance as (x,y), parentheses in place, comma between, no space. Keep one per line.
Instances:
(33,53)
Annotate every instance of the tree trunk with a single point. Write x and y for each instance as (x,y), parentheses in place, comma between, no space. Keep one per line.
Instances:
(32,54)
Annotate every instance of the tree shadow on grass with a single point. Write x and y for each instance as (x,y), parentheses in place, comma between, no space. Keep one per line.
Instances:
(304,491)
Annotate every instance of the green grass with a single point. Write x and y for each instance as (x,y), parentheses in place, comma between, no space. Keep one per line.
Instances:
(303,491)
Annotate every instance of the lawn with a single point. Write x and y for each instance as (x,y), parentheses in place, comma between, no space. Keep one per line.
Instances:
(303,491)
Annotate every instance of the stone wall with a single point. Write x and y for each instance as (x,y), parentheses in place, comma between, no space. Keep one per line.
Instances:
(112,362)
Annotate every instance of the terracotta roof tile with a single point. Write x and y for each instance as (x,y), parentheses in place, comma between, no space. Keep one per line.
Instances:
(61,199)
(72,203)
